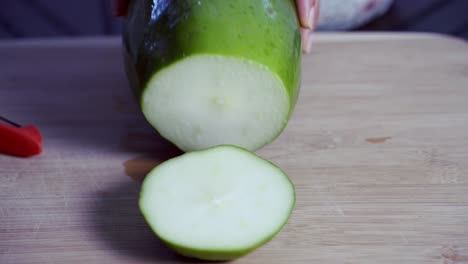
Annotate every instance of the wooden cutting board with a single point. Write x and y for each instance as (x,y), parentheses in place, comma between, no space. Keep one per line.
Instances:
(377,149)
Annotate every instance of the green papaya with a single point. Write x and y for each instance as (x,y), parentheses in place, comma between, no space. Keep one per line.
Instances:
(213,72)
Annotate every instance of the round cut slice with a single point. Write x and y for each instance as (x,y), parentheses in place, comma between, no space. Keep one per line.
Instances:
(216,204)
(208,100)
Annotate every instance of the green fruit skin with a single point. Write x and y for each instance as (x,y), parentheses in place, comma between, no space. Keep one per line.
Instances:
(218,255)
(263,31)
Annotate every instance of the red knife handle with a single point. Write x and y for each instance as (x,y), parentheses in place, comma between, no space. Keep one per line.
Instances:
(22,141)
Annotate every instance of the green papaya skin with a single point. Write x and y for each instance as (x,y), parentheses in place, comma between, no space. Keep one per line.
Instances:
(160,33)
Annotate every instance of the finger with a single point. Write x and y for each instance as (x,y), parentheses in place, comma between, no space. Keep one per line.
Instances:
(308,12)
(119,7)
(306,39)
(316,14)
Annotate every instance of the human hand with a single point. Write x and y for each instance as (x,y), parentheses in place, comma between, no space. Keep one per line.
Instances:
(307,11)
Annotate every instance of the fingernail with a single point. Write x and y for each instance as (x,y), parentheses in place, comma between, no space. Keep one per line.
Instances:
(306,37)
(311,18)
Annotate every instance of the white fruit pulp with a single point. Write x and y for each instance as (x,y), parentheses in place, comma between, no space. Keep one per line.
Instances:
(208,100)
(222,198)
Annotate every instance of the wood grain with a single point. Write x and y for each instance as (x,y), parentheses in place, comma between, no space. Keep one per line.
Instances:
(377,149)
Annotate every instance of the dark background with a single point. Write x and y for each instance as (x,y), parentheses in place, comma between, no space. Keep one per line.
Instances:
(47,18)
